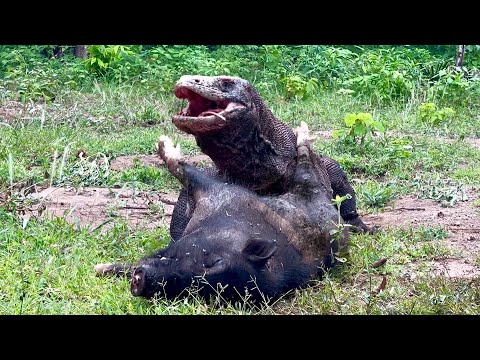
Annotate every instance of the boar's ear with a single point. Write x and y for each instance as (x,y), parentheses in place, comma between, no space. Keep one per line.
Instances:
(258,250)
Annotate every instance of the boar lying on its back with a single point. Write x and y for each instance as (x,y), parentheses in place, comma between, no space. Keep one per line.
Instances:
(265,246)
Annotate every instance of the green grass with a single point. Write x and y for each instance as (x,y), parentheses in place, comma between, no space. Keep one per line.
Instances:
(47,265)
(47,268)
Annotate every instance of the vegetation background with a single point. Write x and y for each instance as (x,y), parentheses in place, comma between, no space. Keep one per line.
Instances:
(402,121)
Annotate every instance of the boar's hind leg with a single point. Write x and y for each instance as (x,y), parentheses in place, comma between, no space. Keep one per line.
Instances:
(183,210)
(172,157)
(308,174)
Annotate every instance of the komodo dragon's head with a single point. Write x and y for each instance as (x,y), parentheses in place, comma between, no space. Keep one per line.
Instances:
(213,102)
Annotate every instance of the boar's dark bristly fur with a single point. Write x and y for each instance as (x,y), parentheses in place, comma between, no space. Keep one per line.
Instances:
(237,242)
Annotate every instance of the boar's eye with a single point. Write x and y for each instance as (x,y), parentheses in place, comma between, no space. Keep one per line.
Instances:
(209,264)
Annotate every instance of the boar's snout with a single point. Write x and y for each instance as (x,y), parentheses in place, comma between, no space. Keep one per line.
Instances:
(138,281)
(155,277)
(148,279)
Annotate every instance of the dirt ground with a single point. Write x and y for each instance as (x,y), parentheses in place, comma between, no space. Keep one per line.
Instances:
(461,221)
(98,207)
(11,111)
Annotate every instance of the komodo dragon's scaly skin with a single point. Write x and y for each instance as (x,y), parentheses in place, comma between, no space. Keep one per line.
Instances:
(247,143)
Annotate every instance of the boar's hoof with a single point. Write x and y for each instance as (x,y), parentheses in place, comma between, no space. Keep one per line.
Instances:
(104,269)
(166,150)
(303,134)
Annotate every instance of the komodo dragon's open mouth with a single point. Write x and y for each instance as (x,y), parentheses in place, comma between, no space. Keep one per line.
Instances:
(204,113)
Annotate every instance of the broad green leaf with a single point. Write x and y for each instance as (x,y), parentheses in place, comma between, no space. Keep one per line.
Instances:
(366,118)
(379,126)
(101,63)
(359,129)
(350,119)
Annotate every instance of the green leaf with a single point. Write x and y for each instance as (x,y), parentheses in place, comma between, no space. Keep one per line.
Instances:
(366,118)
(379,126)
(337,133)
(101,63)
(350,119)
(359,129)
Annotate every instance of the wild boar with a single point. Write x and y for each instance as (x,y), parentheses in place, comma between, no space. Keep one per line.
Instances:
(240,243)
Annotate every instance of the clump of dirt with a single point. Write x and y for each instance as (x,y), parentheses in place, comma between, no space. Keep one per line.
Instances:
(461,221)
(128,161)
(100,207)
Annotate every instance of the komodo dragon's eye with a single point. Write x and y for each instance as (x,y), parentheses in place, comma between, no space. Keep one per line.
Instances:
(226,84)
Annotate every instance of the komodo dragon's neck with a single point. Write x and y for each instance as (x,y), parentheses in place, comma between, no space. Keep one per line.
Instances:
(257,149)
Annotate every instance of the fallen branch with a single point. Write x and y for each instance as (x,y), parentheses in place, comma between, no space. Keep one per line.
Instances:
(463,229)
(167,201)
(379,263)
(408,208)
(381,287)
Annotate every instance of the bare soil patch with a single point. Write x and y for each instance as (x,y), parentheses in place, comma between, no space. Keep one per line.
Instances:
(100,207)
(474,142)
(11,110)
(461,221)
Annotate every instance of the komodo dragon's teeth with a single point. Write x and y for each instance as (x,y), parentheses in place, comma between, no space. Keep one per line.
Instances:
(214,113)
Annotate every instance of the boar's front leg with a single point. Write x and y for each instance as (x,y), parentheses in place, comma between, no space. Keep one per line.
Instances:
(185,173)
(115,270)
(312,183)
(172,157)
(188,176)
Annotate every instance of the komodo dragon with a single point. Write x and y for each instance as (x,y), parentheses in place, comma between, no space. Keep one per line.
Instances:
(247,143)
